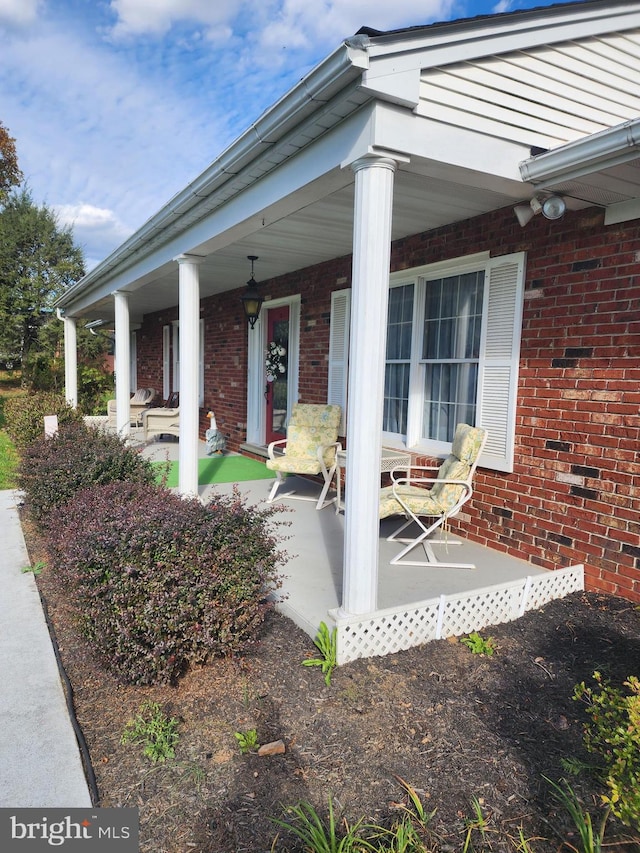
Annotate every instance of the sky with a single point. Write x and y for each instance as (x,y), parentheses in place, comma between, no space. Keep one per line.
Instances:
(116,105)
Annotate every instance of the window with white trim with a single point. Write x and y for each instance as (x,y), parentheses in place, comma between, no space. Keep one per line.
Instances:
(171,354)
(339,353)
(452,354)
(201,365)
(433,342)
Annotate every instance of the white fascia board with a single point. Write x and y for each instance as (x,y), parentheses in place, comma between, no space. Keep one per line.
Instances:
(459,147)
(398,87)
(395,59)
(622,212)
(601,150)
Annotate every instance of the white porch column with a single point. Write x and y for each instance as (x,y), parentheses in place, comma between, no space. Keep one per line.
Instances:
(70,361)
(369,298)
(189,315)
(122,362)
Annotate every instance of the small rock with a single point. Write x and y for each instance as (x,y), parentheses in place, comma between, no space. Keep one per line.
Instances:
(276,747)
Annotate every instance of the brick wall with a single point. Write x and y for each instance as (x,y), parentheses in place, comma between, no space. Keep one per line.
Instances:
(149,350)
(574,494)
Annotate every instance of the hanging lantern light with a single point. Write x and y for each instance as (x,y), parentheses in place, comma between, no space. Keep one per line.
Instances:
(251,298)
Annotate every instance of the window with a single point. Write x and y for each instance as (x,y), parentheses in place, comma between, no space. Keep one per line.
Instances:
(166,352)
(449,344)
(133,361)
(452,354)
(398,366)
(448,319)
(453,346)
(171,355)
(339,353)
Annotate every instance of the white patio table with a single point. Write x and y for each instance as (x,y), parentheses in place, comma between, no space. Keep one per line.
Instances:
(389,459)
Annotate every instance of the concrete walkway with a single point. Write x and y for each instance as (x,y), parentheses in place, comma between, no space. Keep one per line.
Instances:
(40,764)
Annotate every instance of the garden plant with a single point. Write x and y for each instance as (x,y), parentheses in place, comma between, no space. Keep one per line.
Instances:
(178,637)
(163,583)
(53,470)
(157,732)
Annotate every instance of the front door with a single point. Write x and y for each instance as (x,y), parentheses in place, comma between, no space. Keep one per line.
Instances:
(277,373)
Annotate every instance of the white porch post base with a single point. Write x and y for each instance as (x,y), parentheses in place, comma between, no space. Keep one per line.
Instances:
(123,357)
(70,361)
(189,314)
(370,282)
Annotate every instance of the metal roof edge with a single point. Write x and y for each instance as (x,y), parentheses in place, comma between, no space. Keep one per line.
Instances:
(515,18)
(613,145)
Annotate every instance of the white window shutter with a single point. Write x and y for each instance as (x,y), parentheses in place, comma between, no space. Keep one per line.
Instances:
(165,362)
(133,361)
(175,346)
(498,381)
(201,366)
(339,352)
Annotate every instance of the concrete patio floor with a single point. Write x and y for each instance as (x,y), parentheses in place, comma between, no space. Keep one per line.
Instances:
(312,586)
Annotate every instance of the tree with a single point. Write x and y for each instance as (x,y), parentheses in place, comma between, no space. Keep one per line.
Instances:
(38,261)
(10,174)
(43,369)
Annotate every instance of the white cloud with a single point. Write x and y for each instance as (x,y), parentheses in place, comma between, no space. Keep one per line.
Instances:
(274,25)
(19,13)
(96,229)
(156,17)
(108,129)
(337,19)
(94,128)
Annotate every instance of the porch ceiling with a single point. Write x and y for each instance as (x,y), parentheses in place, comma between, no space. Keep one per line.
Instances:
(425,198)
(318,232)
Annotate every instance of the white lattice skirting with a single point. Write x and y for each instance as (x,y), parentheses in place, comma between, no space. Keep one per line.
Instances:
(399,628)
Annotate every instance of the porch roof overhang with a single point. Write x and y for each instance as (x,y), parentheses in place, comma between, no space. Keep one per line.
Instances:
(283,191)
(602,169)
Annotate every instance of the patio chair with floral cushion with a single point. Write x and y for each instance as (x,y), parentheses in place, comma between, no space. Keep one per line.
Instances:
(450,489)
(140,401)
(310,448)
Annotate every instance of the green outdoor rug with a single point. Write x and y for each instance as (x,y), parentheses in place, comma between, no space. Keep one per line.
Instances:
(219,469)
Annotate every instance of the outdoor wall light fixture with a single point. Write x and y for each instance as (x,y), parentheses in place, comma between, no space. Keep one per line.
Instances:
(552,207)
(251,298)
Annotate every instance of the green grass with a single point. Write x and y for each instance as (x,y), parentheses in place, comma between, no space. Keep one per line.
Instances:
(9,387)
(8,462)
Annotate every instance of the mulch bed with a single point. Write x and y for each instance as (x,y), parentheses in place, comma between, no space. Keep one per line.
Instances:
(454,725)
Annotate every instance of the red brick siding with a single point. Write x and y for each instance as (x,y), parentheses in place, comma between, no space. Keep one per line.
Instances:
(574,494)
(149,349)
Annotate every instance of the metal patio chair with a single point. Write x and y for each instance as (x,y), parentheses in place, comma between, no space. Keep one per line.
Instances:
(310,448)
(451,488)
